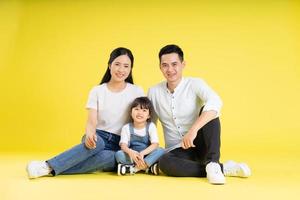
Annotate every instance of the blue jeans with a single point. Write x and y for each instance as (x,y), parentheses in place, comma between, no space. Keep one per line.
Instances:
(150,159)
(80,159)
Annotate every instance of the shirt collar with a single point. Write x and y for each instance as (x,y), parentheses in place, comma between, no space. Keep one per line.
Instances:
(177,87)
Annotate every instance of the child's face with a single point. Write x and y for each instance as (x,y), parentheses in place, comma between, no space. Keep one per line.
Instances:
(139,114)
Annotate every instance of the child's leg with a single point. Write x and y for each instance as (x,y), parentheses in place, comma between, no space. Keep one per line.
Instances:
(153,157)
(125,163)
(123,158)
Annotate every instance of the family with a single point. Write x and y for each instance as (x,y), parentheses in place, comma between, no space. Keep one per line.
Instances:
(121,134)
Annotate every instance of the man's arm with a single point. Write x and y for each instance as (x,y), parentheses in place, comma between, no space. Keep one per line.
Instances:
(203,119)
(211,110)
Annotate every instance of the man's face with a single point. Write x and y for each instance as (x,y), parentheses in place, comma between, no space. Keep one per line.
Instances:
(171,67)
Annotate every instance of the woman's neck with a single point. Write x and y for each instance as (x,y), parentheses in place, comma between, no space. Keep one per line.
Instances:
(116,86)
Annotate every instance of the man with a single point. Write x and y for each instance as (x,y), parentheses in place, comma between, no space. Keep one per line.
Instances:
(189,113)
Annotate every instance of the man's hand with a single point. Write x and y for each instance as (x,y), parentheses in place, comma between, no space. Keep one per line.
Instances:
(188,139)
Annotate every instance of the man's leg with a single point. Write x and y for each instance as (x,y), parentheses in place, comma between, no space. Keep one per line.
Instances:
(207,147)
(181,163)
(208,142)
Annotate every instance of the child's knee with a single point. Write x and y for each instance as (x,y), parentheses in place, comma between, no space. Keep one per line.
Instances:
(120,156)
(160,150)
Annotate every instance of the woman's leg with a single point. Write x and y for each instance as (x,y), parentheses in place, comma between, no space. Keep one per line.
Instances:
(74,156)
(102,161)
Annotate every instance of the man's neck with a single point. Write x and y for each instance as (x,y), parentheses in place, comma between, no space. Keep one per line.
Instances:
(172,85)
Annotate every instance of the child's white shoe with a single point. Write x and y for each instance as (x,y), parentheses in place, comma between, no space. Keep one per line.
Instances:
(37,169)
(124,169)
(153,169)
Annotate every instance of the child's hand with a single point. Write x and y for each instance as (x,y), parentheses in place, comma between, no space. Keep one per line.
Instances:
(142,164)
(138,159)
(141,155)
(134,155)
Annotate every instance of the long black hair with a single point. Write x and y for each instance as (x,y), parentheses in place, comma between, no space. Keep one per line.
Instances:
(113,55)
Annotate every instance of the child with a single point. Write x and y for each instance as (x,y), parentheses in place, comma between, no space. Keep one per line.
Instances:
(139,141)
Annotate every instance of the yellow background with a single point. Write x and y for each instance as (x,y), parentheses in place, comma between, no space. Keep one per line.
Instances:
(53,52)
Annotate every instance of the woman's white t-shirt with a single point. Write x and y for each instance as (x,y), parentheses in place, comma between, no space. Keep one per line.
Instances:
(112,107)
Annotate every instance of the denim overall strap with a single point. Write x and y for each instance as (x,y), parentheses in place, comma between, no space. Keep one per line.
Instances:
(131,130)
(138,143)
(147,128)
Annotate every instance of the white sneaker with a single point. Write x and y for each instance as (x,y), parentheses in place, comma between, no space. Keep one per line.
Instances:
(232,168)
(37,169)
(214,173)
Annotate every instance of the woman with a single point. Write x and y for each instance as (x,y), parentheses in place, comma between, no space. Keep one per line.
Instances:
(107,106)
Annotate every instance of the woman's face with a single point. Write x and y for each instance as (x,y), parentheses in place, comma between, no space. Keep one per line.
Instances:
(120,68)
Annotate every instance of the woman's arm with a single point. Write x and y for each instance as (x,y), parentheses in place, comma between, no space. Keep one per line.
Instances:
(90,130)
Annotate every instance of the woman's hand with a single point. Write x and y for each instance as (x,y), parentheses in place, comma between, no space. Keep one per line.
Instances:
(90,141)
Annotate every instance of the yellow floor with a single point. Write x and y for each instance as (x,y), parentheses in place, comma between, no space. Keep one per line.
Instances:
(272,179)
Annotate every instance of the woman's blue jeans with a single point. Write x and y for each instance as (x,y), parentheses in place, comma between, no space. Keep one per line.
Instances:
(79,159)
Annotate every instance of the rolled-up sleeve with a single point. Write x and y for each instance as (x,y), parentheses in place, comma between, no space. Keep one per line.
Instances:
(210,98)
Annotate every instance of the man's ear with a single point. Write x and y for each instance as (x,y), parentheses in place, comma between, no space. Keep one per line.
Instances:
(183,64)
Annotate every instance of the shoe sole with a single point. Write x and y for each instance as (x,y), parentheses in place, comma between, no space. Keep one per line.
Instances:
(30,176)
(119,170)
(246,172)
(155,170)
(217,182)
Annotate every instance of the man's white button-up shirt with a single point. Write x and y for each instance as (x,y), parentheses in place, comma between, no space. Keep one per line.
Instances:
(179,110)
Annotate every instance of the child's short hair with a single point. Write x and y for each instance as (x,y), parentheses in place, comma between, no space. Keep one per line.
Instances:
(144,103)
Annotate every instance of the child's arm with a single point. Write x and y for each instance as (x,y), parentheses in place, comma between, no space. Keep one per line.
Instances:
(149,149)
